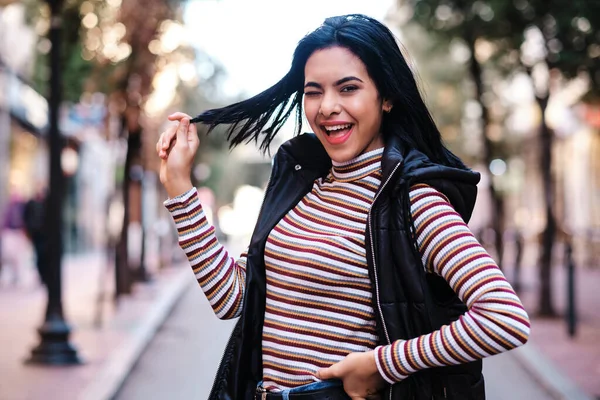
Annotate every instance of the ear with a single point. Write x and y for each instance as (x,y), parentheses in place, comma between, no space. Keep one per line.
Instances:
(387,106)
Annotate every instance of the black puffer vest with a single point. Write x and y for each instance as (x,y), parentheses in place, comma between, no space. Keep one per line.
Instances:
(408,302)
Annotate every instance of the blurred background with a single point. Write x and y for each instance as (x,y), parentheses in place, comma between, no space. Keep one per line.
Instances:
(91,276)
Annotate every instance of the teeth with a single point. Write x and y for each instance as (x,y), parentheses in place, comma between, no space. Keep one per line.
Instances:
(337,127)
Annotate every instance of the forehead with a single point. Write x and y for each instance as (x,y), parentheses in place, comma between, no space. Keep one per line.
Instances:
(333,63)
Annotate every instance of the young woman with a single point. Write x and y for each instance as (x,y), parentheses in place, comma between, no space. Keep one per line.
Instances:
(362,279)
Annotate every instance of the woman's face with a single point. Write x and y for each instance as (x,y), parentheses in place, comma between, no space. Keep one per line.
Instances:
(342,104)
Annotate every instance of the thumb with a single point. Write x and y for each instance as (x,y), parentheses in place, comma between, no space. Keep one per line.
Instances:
(182,130)
(325,374)
(192,134)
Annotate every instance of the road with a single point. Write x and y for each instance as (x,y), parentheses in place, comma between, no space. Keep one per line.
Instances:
(181,361)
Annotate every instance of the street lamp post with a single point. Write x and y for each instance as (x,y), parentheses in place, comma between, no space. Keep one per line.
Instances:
(54,347)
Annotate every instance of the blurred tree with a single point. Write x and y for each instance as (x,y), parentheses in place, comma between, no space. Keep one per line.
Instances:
(130,51)
(441,79)
(468,21)
(562,36)
(133,82)
(537,36)
(75,67)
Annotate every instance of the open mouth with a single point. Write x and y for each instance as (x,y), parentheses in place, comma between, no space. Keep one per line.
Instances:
(336,129)
(336,134)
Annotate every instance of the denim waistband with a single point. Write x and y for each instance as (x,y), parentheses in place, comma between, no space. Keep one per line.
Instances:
(332,383)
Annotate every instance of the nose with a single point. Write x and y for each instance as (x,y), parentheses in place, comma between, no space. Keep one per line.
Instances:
(330,105)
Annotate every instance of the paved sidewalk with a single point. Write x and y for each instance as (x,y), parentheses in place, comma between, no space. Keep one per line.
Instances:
(109,349)
(569,367)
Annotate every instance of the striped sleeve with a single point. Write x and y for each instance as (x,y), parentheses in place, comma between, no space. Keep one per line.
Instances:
(495,321)
(220,276)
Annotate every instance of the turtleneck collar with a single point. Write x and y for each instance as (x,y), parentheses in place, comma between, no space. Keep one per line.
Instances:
(357,168)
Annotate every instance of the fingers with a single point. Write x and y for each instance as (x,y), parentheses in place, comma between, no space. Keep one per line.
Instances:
(178,116)
(186,132)
(192,137)
(165,141)
(159,143)
(159,146)
(182,130)
(326,373)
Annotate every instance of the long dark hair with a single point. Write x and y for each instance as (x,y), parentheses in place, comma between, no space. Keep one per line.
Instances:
(262,116)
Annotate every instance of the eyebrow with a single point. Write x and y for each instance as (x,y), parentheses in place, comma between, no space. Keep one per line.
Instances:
(337,83)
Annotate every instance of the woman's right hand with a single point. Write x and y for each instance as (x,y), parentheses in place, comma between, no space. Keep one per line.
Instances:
(177,148)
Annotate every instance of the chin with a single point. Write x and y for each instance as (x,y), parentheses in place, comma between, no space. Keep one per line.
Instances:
(341,155)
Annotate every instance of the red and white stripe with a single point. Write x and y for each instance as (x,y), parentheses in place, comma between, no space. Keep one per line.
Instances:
(496,320)
(221,277)
(319,307)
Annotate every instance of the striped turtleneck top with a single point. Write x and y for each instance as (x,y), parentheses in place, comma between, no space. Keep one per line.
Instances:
(319,306)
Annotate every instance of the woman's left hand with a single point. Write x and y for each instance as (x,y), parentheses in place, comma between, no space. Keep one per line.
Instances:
(359,373)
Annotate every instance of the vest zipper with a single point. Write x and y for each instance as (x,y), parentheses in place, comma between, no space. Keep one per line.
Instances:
(387,335)
(216,384)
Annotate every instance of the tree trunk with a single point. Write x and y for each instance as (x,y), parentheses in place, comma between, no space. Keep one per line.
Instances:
(546,307)
(126,274)
(122,268)
(5,137)
(497,222)
(142,274)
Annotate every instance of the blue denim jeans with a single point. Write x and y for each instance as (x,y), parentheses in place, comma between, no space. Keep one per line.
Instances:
(309,386)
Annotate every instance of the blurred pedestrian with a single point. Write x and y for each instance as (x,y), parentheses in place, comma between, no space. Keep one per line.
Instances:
(362,278)
(34,214)
(14,242)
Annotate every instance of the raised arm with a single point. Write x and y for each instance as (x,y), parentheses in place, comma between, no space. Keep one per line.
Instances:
(221,277)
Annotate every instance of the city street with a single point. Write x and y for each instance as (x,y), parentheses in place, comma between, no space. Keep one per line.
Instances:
(494,104)
(181,360)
